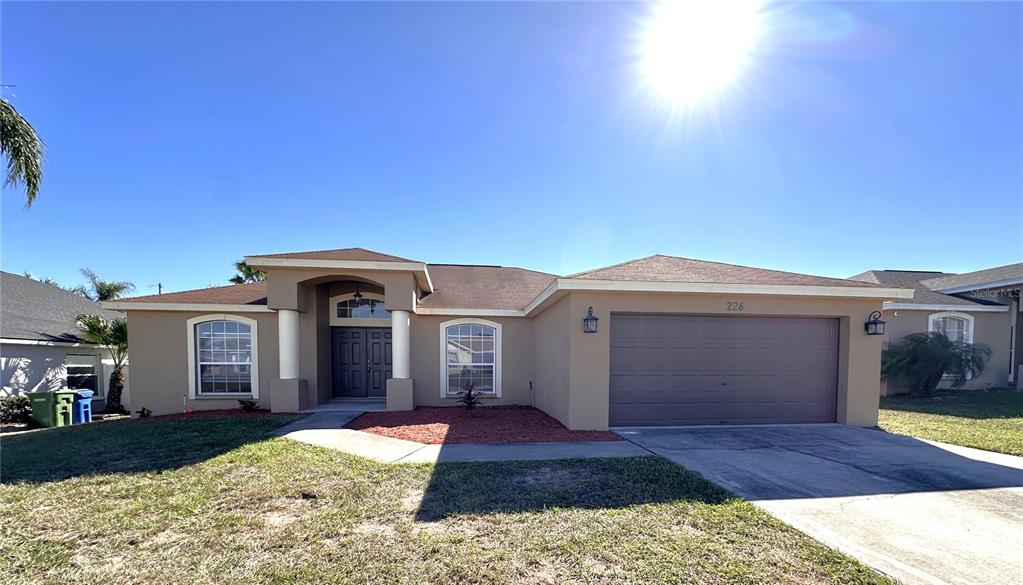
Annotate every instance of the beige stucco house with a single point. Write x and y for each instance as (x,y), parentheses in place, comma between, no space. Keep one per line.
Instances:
(977,307)
(676,341)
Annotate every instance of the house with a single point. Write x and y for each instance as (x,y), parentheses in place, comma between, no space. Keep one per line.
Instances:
(40,348)
(978,307)
(675,341)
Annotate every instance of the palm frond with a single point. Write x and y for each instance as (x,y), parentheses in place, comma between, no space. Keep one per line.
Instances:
(23,149)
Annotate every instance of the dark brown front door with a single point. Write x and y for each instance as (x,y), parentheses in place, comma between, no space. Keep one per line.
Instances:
(360,361)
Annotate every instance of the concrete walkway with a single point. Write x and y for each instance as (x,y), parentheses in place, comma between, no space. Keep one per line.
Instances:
(920,511)
(325,430)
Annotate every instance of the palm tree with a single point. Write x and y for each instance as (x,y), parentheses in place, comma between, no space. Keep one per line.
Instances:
(113,335)
(247,273)
(105,290)
(924,359)
(23,149)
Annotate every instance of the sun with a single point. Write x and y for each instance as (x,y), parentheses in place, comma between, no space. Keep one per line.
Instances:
(693,49)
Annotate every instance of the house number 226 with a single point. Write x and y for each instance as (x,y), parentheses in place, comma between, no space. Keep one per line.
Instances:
(734,306)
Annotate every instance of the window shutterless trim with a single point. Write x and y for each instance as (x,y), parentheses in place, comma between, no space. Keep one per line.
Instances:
(444,354)
(193,362)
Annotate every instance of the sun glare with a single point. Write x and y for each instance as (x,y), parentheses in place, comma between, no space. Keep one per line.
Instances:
(692,49)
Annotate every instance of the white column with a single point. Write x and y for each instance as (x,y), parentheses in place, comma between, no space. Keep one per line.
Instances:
(287,336)
(401,354)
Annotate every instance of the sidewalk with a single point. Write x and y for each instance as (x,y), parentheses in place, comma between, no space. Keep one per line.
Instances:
(325,430)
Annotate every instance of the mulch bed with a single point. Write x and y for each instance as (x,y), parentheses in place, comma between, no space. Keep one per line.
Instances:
(226,412)
(489,424)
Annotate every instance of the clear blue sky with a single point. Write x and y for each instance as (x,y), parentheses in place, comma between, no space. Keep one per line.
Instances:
(182,137)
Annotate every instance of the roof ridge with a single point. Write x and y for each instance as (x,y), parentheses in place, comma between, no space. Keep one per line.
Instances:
(360,248)
(428,264)
(131,299)
(614,265)
(834,278)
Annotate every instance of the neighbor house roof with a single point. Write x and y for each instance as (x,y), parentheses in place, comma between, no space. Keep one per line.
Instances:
(34,311)
(340,254)
(1007,275)
(918,281)
(483,287)
(660,268)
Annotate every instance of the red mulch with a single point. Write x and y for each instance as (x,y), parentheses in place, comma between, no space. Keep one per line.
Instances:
(490,424)
(226,412)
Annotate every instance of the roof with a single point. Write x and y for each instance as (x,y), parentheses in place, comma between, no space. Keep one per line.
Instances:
(660,268)
(987,278)
(459,286)
(37,311)
(340,254)
(473,287)
(917,280)
(251,293)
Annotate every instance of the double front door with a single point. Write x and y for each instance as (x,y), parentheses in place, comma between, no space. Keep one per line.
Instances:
(360,362)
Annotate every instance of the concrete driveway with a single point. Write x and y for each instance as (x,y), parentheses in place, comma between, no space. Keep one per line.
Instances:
(919,511)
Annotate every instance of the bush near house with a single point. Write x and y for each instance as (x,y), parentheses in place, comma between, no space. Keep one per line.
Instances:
(15,410)
(925,359)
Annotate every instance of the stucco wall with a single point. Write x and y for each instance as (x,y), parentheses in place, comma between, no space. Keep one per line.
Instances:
(40,368)
(589,375)
(516,360)
(551,340)
(158,350)
(988,328)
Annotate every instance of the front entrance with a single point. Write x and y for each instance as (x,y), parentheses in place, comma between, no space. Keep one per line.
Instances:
(360,362)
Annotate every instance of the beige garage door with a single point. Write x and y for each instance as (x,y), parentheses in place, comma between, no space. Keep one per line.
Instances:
(696,369)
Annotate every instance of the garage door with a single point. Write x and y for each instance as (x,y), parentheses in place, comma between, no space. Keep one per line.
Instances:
(695,369)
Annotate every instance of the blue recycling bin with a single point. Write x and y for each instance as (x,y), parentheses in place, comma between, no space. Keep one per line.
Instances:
(83,407)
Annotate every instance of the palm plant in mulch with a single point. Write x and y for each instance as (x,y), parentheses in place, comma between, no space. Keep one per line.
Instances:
(469,398)
(925,359)
(113,335)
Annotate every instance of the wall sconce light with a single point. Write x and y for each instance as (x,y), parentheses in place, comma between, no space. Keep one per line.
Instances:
(874,325)
(589,322)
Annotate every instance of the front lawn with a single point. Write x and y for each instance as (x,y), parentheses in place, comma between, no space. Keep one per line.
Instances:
(218,501)
(984,419)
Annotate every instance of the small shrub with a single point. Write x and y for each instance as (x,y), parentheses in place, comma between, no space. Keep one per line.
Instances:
(469,398)
(925,359)
(15,410)
(144,412)
(248,405)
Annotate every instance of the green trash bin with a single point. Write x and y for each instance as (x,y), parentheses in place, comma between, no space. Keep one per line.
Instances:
(52,409)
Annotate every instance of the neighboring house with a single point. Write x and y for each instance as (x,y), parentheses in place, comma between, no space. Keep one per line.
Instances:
(39,344)
(978,307)
(677,341)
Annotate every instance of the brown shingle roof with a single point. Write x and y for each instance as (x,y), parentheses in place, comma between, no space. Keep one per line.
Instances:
(918,281)
(253,293)
(660,268)
(352,254)
(483,287)
(979,278)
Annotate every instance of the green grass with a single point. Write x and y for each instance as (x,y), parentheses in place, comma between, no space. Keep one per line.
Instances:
(202,501)
(984,419)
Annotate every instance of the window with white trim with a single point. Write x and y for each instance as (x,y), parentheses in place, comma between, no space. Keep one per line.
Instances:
(223,357)
(83,373)
(471,357)
(955,326)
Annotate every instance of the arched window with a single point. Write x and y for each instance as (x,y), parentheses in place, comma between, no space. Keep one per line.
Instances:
(222,356)
(470,356)
(346,310)
(956,326)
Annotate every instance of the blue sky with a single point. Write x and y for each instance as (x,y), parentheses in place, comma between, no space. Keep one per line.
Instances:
(183,136)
